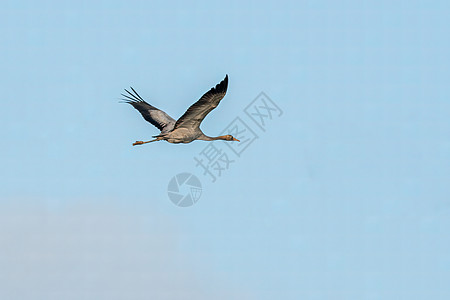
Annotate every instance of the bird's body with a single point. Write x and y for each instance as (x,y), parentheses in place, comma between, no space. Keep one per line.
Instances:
(181,135)
(187,128)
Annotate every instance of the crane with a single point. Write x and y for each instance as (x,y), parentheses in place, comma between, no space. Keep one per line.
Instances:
(187,128)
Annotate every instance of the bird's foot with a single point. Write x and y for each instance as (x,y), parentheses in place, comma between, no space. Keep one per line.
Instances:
(138,143)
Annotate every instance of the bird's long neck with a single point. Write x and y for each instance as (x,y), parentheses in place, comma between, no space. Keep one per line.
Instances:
(204,137)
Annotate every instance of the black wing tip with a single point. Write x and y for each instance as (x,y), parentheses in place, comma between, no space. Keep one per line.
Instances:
(132,97)
(136,93)
(222,86)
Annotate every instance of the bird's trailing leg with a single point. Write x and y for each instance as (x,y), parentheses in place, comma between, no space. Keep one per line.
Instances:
(142,143)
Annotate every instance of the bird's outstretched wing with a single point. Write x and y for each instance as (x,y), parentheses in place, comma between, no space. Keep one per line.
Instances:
(198,111)
(155,116)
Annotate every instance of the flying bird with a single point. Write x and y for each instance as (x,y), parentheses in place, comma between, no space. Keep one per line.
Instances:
(187,128)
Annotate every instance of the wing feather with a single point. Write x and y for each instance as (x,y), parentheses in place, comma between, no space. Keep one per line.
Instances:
(195,114)
(155,116)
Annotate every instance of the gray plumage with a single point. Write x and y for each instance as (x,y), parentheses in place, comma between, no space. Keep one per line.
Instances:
(155,116)
(187,128)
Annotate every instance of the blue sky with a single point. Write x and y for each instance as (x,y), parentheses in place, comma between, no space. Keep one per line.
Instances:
(344,196)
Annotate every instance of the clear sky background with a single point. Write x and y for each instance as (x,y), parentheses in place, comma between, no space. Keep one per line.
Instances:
(344,196)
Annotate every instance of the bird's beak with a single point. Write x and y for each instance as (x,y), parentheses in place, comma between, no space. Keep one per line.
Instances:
(236,140)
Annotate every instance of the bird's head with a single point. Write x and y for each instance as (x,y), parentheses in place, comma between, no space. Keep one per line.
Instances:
(229,137)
